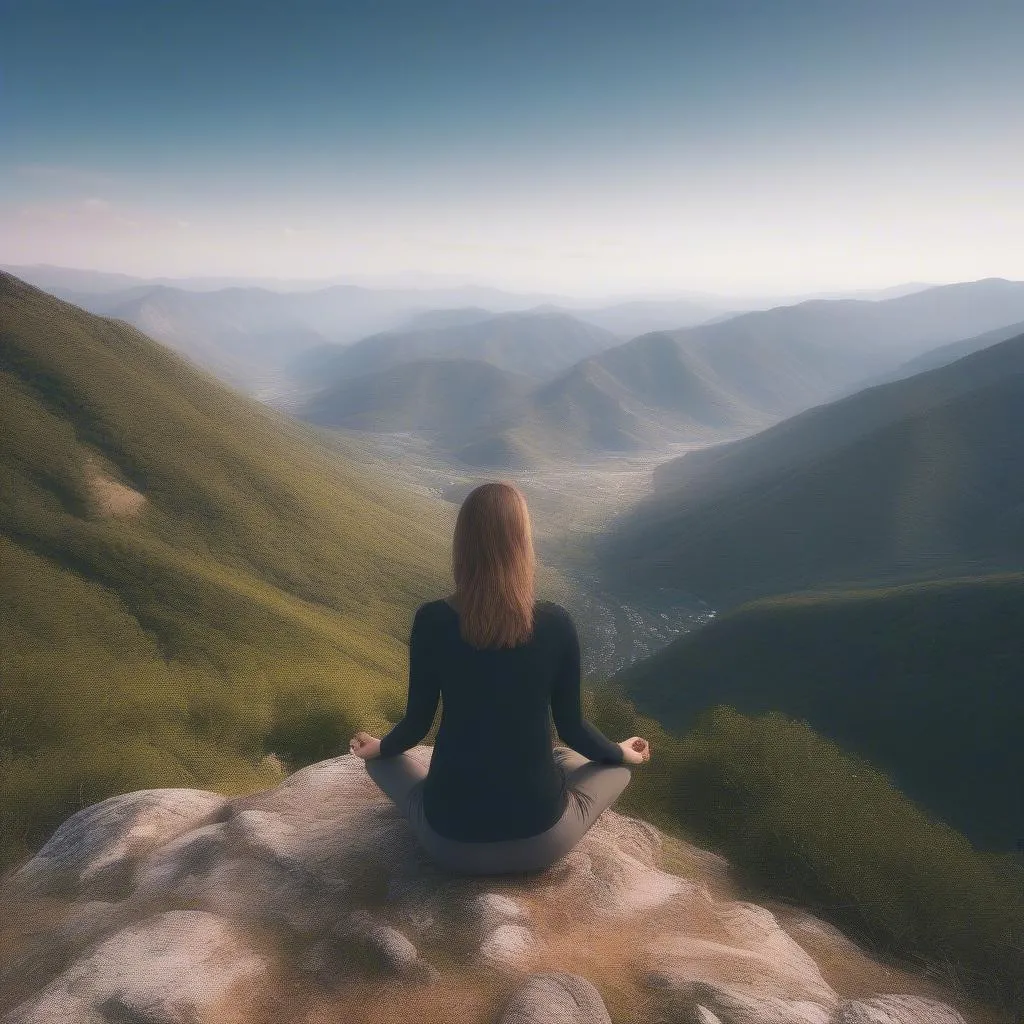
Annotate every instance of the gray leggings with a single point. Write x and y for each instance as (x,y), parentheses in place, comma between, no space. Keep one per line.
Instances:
(592,787)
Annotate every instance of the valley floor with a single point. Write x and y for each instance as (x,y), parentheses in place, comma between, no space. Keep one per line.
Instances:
(568,505)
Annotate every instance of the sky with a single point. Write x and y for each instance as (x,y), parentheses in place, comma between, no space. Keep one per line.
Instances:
(585,147)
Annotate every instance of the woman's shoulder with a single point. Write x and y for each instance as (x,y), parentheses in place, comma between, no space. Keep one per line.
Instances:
(439,606)
(554,613)
(547,611)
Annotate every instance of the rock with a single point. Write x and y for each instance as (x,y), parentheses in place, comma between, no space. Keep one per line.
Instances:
(702,1015)
(85,922)
(750,955)
(383,948)
(493,909)
(555,997)
(179,967)
(327,873)
(733,1007)
(507,944)
(896,1009)
(614,870)
(94,851)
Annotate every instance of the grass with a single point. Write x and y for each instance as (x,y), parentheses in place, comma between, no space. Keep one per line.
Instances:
(922,680)
(802,820)
(258,599)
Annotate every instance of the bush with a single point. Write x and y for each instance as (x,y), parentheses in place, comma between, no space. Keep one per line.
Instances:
(805,821)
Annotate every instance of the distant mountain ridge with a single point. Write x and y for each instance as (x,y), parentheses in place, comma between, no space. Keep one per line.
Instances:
(445,399)
(707,383)
(921,476)
(537,343)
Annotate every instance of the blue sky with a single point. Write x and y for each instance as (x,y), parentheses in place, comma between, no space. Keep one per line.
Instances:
(585,146)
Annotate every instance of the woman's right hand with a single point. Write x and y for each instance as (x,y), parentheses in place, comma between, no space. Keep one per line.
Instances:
(635,750)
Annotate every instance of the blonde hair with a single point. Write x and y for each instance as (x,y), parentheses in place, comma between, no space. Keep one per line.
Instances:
(493,563)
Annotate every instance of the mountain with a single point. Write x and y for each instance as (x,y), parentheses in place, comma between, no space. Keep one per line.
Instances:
(187,575)
(712,382)
(922,680)
(433,318)
(704,384)
(537,343)
(641,316)
(920,477)
(446,399)
(582,412)
(420,290)
(246,336)
(945,354)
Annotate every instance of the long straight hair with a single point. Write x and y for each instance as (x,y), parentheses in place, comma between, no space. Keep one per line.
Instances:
(493,563)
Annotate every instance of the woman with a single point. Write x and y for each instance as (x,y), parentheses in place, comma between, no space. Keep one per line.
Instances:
(497,797)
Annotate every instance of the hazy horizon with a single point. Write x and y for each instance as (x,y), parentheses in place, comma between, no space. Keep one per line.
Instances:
(580,149)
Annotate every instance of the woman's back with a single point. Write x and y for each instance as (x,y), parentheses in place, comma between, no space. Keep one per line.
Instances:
(493,775)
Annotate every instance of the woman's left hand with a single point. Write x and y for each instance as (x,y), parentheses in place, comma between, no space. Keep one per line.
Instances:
(364,745)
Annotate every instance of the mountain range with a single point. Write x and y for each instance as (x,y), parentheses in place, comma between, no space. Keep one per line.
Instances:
(919,477)
(537,343)
(700,384)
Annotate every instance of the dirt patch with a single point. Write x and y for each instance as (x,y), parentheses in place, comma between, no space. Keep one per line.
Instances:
(109,497)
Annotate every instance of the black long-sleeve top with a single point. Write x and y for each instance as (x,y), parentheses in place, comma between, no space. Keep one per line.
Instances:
(492,771)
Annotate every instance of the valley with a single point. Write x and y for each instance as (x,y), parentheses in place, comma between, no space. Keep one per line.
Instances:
(569,505)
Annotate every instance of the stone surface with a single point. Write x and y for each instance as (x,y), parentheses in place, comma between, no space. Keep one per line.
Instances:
(179,967)
(493,909)
(897,1009)
(555,997)
(384,948)
(750,955)
(734,1007)
(507,944)
(702,1015)
(174,901)
(97,847)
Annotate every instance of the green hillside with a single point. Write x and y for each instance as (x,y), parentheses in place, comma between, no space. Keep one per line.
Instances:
(189,580)
(924,681)
(800,818)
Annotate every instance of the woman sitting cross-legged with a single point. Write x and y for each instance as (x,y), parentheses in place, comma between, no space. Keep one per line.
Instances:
(497,797)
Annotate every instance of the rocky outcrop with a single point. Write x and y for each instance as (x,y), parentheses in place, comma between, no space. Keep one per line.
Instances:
(179,967)
(897,1010)
(555,997)
(176,905)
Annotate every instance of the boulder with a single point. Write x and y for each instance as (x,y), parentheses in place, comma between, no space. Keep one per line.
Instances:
(383,949)
(179,967)
(555,997)
(507,945)
(179,904)
(492,909)
(750,955)
(95,850)
(896,1009)
(734,1007)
